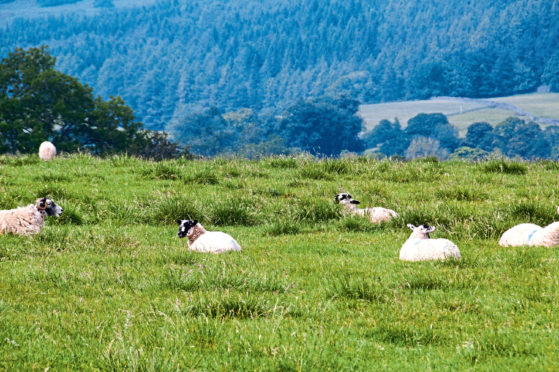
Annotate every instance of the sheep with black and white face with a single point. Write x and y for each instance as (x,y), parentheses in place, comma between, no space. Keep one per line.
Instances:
(28,220)
(201,240)
(375,214)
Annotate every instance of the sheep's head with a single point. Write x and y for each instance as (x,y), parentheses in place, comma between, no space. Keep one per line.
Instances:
(421,231)
(49,207)
(185,227)
(345,198)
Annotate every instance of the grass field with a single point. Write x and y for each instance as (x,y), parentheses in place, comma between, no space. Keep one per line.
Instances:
(109,286)
(463,114)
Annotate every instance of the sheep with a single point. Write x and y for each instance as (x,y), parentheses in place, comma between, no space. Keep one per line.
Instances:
(376,214)
(529,234)
(47,151)
(28,220)
(420,247)
(201,240)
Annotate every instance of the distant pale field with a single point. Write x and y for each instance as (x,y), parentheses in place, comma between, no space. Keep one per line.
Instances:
(109,286)
(462,114)
(31,9)
(545,105)
(373,114)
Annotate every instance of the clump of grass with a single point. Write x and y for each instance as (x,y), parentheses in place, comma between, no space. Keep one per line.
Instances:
(411,173)
(229,307)
(425,283)
(168,210)
(335,166)
(358,288)
(52,177)
(408,337)
(69,217)
(233,211)
(19,161)
(531,212)
(282,227)
(162,171)
(281,162)
(504,343)
(503,166)
(125,213)
(314,172)
(461,193)
(178,280)
(54,192)
(357,224)
(316,210)
(124,160)
(206,176)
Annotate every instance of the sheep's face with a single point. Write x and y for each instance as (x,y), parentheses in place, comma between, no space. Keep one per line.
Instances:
(345,198)
(421,229)
(49,207)
(185,227)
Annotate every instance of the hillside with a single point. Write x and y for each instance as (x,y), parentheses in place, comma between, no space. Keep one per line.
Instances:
(173,58)
(109,285)
(542,108)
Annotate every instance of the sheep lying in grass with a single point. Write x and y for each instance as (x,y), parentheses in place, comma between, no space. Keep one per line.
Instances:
(376,214)
(420,247)
(47,151)
(201,240)
(529,234)
(30,219)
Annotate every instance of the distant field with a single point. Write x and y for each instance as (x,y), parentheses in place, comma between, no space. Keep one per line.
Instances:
(463,113)
(31,8)
(110,287)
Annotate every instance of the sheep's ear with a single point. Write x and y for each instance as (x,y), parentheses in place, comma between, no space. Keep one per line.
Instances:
(194,222)
(355,202)
(431,229)
(179,221)
(337,199)
(411,226)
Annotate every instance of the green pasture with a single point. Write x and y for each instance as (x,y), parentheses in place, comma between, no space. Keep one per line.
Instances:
(462,114)
(109,286)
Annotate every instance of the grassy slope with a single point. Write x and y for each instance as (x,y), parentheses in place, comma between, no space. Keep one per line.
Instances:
(110,286)
(545,105)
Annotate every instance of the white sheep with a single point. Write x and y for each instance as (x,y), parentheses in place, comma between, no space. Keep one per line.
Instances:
(47,151)
(529,234)
(201,240)
(420,247)
(28,220)
(376,214)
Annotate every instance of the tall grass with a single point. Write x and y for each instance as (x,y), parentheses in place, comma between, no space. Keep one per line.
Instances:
(110,286)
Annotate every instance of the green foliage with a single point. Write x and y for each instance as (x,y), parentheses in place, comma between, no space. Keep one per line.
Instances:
(179,67)
(468,153)
(323,126)
(38,103)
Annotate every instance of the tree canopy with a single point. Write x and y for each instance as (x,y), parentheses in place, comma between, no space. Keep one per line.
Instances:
(170,58)
(38,103)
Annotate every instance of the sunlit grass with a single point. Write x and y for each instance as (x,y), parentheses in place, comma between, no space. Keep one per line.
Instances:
(109,286)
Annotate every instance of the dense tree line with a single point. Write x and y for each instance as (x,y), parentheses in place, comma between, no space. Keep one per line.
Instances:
(38,103)
(177,58)
(322,126)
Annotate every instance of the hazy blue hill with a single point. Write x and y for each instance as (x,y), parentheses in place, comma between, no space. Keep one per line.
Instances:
(175,57)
